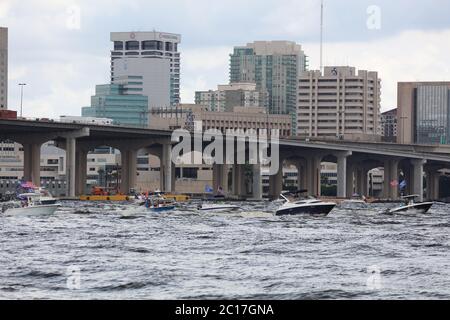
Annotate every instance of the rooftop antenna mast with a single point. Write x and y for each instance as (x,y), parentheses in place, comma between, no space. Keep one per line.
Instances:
(321,36)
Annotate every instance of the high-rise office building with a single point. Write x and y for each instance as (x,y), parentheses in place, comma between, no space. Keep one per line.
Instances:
(232,95)
(154,56)
(339,104)
(423,112)
(275,67)
(111,102)
(389,126)
(3,68)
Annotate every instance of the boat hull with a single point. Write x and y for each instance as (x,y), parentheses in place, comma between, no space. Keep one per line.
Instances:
(35,210)
(322,209)
(417,207)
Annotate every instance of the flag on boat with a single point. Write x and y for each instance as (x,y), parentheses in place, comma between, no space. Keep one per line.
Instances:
(208,189)
(403,184)
(394,183)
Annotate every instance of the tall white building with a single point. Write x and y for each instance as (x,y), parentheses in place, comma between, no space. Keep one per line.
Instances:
(3,68)
(339,104)
(147,63)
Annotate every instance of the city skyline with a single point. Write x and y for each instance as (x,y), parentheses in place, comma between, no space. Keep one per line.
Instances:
(62,58)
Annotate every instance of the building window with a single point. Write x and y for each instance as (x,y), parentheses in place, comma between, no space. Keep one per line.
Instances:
(169,46)
(132,45)
(118,45)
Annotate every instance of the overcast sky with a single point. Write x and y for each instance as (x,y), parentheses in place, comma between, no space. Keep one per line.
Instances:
(62,59)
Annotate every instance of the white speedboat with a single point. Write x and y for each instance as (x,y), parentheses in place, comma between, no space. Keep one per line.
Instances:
(218,208)
(31,205)
(310,206)
(412,206)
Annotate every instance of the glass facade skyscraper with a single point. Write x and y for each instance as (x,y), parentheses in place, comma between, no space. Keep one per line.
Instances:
(111,102)
(275,67)
(432,114)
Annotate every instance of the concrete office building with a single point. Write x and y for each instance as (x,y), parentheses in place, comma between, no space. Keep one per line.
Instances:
(154,57)
(238,118)
(389,126)
(275,67)
(3,68)
(339,103)
(112,102)
(232,95)
(423,112)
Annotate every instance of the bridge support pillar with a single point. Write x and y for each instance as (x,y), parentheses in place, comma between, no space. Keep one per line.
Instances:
(342,175)
(301,175)
(220,177)
(350,180)
(257,183)
(167,170)
(390,176)
(81,171)
(418,177)
(238,185)
(71,144)
(32,162)
(129,170)
(313,173)
(276,184)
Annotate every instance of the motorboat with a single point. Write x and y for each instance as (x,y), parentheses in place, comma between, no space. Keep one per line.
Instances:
(159,204)
(412,206)
(304,205)
(218,208)
(30,204)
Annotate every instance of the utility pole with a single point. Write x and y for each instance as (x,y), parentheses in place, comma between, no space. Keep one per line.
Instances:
(21,97)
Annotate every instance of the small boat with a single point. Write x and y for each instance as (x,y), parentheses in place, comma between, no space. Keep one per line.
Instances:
(412,206)
(159,204)
(355,202)
(309,205)
(218,208)
(31,204)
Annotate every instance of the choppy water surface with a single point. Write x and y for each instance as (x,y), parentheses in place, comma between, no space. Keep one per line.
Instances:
(122,251)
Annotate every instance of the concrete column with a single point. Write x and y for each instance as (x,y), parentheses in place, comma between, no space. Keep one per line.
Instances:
(341,176)
(387,176)
(276,184)
(432,177)
(71,166)
(257,182)
(365,181)
(220,177)
(418,177)
(239,180)
(301,175)
(349,180)
(166,169)
(129,170)
(313,174)
(81,171)
(32,162)
(393,194)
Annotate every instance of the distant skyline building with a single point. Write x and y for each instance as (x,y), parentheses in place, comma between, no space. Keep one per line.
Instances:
(3,68)
(424,112)
(154,56)
(275,67)
(232,95)
(340,103)
(389,125)
(110,101)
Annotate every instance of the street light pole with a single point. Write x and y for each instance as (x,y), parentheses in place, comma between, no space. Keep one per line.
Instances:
(21,97)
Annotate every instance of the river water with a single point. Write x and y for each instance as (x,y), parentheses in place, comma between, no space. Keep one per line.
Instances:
(118,251)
